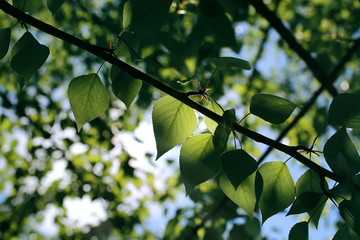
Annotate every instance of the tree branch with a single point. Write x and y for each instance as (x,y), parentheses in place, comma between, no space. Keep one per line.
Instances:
(286,35)
(108,57)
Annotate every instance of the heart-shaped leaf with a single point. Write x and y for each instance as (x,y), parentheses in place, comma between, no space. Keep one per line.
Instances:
(223,129)
(310,182)
(341,154)
(54,5)
(299,231)
(173,122)
(271,108)
(4,41)
(211,124)
(27,56)
(199,160)
(278,191)
(88,98)
(305,202)
(223,62)
(124,86)
(238,165)
(145,16)
(244,195)
(345,110)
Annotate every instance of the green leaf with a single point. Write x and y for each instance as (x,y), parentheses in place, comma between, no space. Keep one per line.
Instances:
(145,16)
(88,98)
(341,154)
(126,38)
(27,5)
(299,231)
(4,41)
(173,122)
(211,124)
(350,212)
(199,160)
(345,232)
(252,226)
(345,110)
(223,129)
(223,62)
(238,165)
(310,182)
(244,196)
(278,191)
(271,108)
(54,5)
(305,202)
(239,232)
(124,86)
(27,56)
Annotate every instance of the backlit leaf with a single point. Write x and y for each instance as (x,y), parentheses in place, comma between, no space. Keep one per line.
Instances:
(222,62)
(223,129)
(345,110)
(27,56)
(88,98)
(173,122)
(199,160)
(278,191)
(210,124)
(244,195)
(299,231)
(341,154)
(27,5)
(4,41)
(310,182)
(271,108)
(145,16)
(238,165)
(305,202)
(54,5)
(124,86)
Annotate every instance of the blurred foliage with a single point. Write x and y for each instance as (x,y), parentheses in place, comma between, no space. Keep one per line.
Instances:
(45,163)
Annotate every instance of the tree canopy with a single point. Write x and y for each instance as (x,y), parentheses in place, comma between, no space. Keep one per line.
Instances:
(254,108)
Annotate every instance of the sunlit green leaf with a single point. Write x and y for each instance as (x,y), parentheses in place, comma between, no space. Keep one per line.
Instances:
(341,154)
(299,231)
(310,182)
(305,202)
(27,5)
(210,124)
(124,86)
(223,62)
(27,56)
(4,41)
(199,160)
(244,195)
(238,165)
(145,16)
(88,98)
(223,129)
(278,191)
(271,108)
(54,5)
(345,110)
(173,122)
